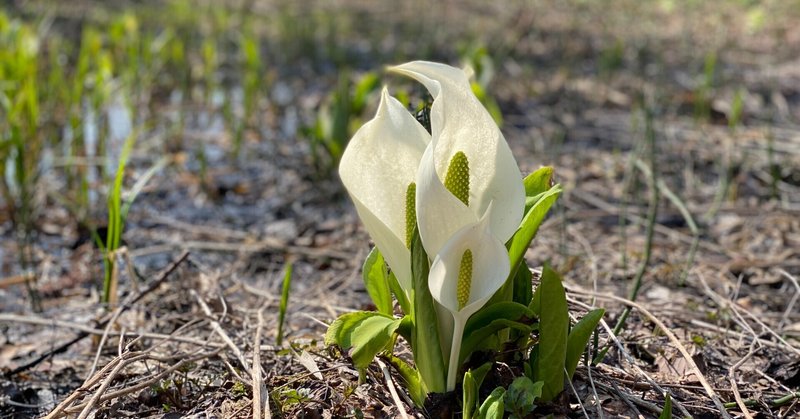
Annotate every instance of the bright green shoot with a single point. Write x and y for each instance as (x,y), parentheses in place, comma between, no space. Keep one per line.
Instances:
(116,223)
(287,283)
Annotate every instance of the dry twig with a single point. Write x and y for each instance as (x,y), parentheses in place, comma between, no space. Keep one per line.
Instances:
(260,393)
(671,336)
(392,390)
(221,332)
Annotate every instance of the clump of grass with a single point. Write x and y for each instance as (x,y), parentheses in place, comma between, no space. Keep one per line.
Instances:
(117,213)
(20,137)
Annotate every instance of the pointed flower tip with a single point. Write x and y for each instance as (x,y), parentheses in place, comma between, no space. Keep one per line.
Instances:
(411,68)
(468,71)
(384,103)
(393,68)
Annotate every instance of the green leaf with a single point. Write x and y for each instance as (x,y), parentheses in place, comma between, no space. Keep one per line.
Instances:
(471,386)
(493,407)
(481,336)
(578,338)
(667,412)
(490,320)
(530,225)
(406,328)
(376,280)
(536,208)
(425,342)
(521,395)
(284,303)
(508,310)
(370,337)
(366,332)
(413,381)
(523,289)
(553,327)
(399,294)
(340,330)
(538,181)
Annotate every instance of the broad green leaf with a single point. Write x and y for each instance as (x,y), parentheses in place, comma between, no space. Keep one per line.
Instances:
(413,381)
(370,337)
(667,412)
(376,280)
(340,330)
(521,396)
(530,225)
(578,338)
(490,320)
(493,407)
(477,339)
(538,181)
(471,386)
(366,332)
(425,342)
(507,310)
(553,327)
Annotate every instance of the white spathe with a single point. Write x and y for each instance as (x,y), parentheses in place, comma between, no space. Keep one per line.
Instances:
(460,123)
(379,163)
(490,268)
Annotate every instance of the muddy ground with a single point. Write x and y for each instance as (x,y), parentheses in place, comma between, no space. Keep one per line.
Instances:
(203,266)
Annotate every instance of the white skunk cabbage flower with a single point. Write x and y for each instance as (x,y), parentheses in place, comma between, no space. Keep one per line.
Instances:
(378,169)
(467,165)
(466,272)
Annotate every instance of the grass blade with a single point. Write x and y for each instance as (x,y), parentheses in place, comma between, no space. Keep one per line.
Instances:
(287,283)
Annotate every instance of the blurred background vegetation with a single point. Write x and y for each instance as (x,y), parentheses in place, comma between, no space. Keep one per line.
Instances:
(87,86)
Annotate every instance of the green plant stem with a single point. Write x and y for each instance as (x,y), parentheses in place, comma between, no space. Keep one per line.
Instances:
(775,403)
(455,353)
(116,220)
(425,340)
